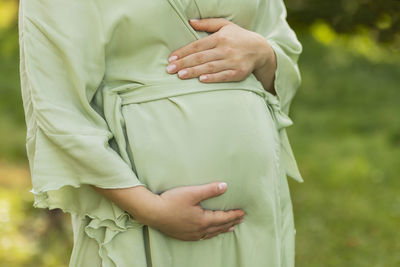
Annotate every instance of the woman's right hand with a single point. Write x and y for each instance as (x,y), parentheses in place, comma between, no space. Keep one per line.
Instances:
(179,214)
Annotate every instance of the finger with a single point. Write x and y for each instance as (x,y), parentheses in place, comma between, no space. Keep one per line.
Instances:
(229,75)
(196,59)
(209,24)
(204,43)
(202,192)
(229,229)
(206,68)
(219,217)
(216,230)
(221,228)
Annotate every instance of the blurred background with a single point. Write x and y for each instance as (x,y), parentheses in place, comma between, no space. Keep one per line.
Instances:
(346,138)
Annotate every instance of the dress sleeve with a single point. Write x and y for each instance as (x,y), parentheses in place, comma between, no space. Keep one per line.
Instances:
(62,65)
(272,24)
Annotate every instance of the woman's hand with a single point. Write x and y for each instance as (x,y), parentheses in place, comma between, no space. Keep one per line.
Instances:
(180,215)
(176,212)
(230,53)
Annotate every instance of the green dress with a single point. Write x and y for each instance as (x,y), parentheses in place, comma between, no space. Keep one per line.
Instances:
(101,110)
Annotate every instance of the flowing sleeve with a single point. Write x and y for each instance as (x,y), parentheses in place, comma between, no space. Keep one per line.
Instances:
(62,65)
(271,23)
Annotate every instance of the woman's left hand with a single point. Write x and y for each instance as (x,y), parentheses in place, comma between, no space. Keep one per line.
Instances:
(230,53)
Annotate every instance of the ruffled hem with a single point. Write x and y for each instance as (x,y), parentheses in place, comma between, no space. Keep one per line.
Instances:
(107,220)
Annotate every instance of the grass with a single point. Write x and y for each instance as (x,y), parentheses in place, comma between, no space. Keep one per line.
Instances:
(347,141)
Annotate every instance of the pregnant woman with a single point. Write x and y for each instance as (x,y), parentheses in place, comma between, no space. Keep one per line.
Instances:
(157,167)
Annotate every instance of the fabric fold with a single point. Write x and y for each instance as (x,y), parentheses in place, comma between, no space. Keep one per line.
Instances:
(107,220)
(104,230)
(115,121)
(282,120)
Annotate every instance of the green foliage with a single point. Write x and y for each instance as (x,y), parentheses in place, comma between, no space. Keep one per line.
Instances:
(12,124)
(380,17)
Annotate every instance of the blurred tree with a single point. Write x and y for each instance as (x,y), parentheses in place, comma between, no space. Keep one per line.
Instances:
(380,17)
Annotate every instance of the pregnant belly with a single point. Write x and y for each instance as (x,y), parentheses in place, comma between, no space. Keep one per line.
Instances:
(193,139)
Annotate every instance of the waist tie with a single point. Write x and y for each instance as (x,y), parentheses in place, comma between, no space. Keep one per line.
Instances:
(115,98)
(282,121)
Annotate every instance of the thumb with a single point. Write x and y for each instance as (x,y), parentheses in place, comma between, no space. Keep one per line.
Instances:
(202,192)
(208,24)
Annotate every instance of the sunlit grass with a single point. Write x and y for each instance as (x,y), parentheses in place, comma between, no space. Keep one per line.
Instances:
(15,247)
(28,236)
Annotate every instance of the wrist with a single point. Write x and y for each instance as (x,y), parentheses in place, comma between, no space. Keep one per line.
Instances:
(266,54)
(144,206)
(138,201)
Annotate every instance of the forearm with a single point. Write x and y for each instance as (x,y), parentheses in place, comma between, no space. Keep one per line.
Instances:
(138,201)
(265,73)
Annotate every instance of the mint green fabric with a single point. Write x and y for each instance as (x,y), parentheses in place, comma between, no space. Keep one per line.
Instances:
(101,110)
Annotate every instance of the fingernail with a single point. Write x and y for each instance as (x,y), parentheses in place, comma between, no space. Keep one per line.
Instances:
(203,77)
(172,58)
(231,229)
(222,186)
(193,20)
(182,73)
(171,67)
